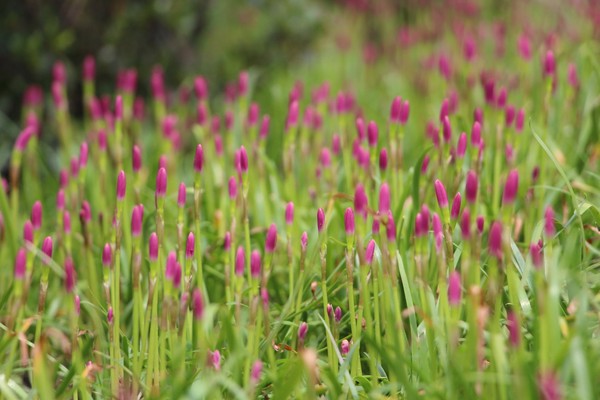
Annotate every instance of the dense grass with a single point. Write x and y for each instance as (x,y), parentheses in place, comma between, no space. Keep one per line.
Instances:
(331,239)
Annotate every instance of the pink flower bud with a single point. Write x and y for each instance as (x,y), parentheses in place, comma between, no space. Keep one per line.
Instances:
(255,264)
(444,110)
(119,108)
(304,241)
(240,261)
(47,248)
(383,159)
(372,134)
(454,290)
(549,228)
(337,314)
(447,129)
(384,198)
(77,305)
(390,228)
(110,315)
(455,209)
(227,241)
(176,275)
(24,138)
(404,112)
(161,183)
(395,109)
(60,199)
(59,73)
(330,310)
(190,246)
(549,64)
(349,221)
(514,330)
(121,185)
(465,224)
(425,164)
(216,360)
(511,187)
(461,147)
(292,117)
(476,134)
(325,157)
(181,195)
(480,222)
(302,331)
(360,129)
(524,46)
(519,120)
(271,239)
(136,158)
(537,257)
(197,304)
(200,88)
(572,76)
(495,240)
(20,264)
(69,275)
(243,83)
(232,188)
(89,68)
(509,115)
(440,193)
(502,97)
(320,220)
(419,231)
(345,347)
(107,256)
(361,201)
(253,112)
(170,266)
(136,221)
(243,159)
(199,159)
(471,187)
(289,213)
(370,251)
(153,247)
(256,371)
(264,126)
(36,215)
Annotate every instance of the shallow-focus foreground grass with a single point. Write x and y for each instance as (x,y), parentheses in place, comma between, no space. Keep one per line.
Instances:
(410,214)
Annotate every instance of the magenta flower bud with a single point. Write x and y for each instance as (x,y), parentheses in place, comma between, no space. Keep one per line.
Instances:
(476,134)
(107,256)
(501,99)
(243,83)
(136,158)
(337,314)
(480,224)
(102,141)
(89,68)
(325,157)
(271,239)
(69,275)
(200,88)
(232,188)
(447,129)
(404,112)
(240,261)
(471,186)
(60,199)
(255,264)
(511,187)
(572,77)
(360,201)
(455,209)
(336,144)
(509,114)
(360,129)
(461,147)
(370,251)
(549,63)
(176,275)
(216,360)
(444,110)
(20,264)
(384,198)
(330,310)
(161,183)
(110,315)
(256,371)
(243,159)
(197,304)
(440,193)
(136,221)
(24,138)
(83,155)
(349,221)
(302,331)
(436,223)
(253,113)
(74,167)
(199,159)
(227,241)
(47,247)
(395,109)
(170,266)
(85,214)
(390,228)
(264,294)
(121,185)
(495,240)
(419,231)
(345,347)
(514,330)
(57,95)
(549,228)
(425,164)
(320,220)
(454,290)
(372,134)
(520,120)
(524,46)
(190,246)
(383,159)
(465,224)
(119,108)
(77,305)
(181,195)
(289,213)
(36,215)
(376,224)
(153,247)
(264,126)
(537,257)
(304,241)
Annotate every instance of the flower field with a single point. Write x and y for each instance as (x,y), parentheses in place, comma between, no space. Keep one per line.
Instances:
(412,211)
